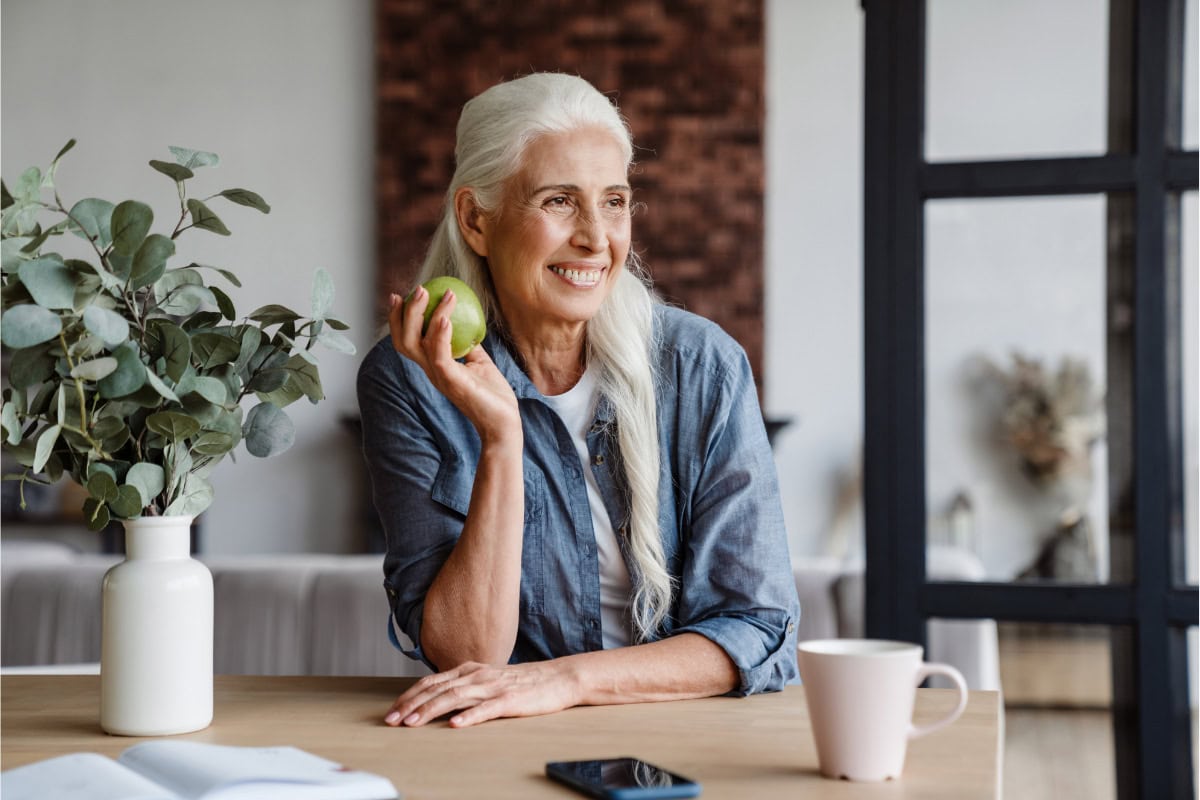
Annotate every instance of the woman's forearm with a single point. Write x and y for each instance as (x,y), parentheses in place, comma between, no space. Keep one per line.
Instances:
(472,607)
(677,668)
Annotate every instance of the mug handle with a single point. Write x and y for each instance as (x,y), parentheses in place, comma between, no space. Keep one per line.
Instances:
(927,670)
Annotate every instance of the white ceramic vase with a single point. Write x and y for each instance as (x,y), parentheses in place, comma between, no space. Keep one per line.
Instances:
(156,651)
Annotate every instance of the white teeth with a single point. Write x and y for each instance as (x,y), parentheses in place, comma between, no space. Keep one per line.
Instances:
(582,278)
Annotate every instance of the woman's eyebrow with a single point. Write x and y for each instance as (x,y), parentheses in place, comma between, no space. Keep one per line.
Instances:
(570,187)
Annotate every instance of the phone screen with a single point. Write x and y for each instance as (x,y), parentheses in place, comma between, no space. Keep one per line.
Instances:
(622,778)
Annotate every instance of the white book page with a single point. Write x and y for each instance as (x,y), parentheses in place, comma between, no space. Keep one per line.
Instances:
(194,770)
(79,776)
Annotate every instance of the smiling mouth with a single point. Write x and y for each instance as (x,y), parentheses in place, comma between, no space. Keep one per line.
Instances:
(582,278)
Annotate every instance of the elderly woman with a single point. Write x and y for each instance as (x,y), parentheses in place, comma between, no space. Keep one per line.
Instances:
(584,510)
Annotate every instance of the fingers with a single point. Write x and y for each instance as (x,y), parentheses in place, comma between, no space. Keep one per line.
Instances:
(405,320)
(482,712)
(436,342)
(434,695)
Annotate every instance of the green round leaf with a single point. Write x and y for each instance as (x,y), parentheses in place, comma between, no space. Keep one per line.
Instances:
(211,443)
(245,197)
(268,380)
(30,366)
(131,222)
(175,346)
(173,425)
(224,303)
(26,325)
(322,294)
(197,496)
(106,427)
(148,479)
(268,431)
(45,446)
(12,426)
(191,159)
(335,341)
(211,389)
(95,369)
(178,172)
(111,327)
(129,376)
(150,262)
(214,349)
(102,486)
(204,218)
(96,514)
(95,217)
(273,314)
(128,503)
(163,390)
(49,282)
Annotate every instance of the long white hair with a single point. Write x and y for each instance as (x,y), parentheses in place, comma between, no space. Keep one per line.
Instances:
(493,132)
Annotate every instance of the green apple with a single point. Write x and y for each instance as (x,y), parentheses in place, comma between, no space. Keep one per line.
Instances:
(468,325)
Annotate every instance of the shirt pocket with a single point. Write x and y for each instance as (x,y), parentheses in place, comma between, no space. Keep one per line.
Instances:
(452,488)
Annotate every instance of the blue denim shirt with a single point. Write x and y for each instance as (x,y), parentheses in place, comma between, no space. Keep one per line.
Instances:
(720,516)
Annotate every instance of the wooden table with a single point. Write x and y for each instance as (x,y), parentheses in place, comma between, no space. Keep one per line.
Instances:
(756,747)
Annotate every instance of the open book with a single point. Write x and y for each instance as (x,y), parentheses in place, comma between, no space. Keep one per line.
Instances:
(179,770)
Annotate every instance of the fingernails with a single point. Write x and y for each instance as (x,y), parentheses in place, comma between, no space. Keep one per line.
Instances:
(392,718)
(456,720)
(412,718)
(393,300)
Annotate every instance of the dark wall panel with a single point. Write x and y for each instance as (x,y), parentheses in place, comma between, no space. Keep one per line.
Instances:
(689,76)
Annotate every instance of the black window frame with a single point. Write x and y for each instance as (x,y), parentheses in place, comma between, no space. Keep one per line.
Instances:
(1150,611)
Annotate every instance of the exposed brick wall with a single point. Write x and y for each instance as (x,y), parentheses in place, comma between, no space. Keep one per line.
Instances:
(689,77)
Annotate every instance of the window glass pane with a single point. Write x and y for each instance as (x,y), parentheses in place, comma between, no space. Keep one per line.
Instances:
(1193,698)
(1190,355)
(1057,684)
(1015,366)
(1190,69)
(1015,79)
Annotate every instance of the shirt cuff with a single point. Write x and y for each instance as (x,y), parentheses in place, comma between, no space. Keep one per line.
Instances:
(762,646)
(413,650)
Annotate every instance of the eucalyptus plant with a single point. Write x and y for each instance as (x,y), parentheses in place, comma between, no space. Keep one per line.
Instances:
(128,373)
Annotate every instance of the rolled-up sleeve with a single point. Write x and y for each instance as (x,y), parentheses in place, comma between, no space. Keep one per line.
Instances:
(404,461)
(736,586)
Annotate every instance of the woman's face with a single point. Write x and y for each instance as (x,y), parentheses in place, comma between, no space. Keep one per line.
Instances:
(561,233)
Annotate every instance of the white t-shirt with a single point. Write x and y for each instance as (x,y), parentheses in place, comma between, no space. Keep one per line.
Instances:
(577,408)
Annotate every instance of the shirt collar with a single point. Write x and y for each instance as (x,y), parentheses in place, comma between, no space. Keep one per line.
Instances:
(522,387)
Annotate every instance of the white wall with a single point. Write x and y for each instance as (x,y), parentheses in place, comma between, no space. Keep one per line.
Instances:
(283,91)
(814,260)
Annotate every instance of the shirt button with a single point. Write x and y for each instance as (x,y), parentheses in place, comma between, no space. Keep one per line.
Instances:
(598,460)
(791,627)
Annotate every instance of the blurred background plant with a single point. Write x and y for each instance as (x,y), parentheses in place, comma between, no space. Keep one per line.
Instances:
(1052,420)
(128,375)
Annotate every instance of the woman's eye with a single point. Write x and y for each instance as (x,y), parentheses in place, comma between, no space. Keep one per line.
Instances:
(558,201)
(617,202)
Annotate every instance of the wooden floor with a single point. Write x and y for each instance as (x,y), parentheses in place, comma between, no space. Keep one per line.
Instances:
(1063,755)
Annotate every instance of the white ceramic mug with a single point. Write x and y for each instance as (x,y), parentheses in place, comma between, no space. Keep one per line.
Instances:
(860,701)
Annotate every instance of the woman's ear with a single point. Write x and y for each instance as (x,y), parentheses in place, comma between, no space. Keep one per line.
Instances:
(472,222)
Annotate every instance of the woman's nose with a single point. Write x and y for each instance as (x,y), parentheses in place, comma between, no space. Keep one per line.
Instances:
(590,233)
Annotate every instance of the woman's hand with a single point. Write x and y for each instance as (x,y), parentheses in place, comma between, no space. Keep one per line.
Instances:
(475,386)
(481,692)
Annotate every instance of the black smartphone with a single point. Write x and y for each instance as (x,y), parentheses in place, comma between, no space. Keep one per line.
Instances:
(621,779)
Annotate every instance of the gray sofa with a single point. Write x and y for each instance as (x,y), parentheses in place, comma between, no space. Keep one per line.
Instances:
(327,614)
